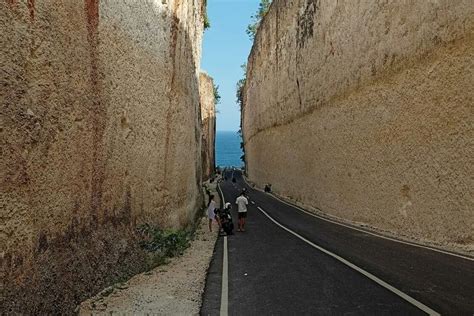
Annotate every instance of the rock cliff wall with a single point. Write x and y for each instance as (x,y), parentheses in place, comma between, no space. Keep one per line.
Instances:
(364,110)
(208,115)
(100,132)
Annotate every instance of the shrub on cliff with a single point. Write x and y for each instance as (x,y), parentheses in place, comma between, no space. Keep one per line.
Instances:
(240,101)
(263,8)
(217,96)
(207,23)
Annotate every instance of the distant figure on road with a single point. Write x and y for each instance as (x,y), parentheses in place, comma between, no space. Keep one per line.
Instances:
(211,207)
(268,188)
(242,203)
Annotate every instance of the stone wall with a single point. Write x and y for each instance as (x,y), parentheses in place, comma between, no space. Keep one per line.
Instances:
(208,115)
(364,110)
(100,133)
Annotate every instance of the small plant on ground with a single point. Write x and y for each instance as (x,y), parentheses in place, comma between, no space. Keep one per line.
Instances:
(163,244)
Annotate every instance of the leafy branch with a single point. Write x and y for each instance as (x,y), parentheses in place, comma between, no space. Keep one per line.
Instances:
(263,8)
(240,101)
(217,96)
(207,22)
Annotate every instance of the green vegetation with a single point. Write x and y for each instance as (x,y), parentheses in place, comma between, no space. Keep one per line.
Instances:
(263,8)
(217,96)
(240,101)
(240,87)
(242,146)
(163,244)
(251,31)
(207,23)
(159,245)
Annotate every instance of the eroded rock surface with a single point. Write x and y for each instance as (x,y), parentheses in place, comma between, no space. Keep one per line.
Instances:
(364,110)
(208,115)
(100,132)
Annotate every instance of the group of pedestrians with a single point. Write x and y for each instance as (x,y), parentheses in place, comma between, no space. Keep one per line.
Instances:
(241,203)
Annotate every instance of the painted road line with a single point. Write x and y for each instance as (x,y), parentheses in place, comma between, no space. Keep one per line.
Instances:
(363,230)
(225,282)
(372,233)
(369,275)
(252,202)
(224,311)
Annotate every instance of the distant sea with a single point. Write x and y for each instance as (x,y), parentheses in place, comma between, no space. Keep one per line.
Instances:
(228,150)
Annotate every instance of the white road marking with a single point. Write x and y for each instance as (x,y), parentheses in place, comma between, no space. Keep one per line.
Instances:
(224,311)
(374,234)
(363,230)
(225,282)
(252,202)
(360,270)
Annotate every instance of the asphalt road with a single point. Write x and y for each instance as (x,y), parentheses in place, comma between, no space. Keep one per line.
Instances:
(278,271)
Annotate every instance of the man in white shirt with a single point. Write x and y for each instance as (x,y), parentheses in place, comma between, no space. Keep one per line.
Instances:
(242,203)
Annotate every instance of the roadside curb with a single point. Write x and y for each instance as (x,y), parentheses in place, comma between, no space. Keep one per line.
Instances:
(365,229)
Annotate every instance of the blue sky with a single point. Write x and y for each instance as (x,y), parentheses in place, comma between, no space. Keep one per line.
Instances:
(226,46)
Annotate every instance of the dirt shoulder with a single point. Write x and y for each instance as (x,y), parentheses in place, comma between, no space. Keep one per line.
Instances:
(174,288)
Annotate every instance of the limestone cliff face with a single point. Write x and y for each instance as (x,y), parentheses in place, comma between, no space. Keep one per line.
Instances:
(364,110)
(208,115)
(100,132)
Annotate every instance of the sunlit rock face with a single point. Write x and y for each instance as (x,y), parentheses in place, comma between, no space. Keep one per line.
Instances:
(208,115)
(364,111)
(100,133)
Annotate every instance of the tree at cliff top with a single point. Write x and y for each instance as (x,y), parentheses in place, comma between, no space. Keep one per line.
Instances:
(263,8)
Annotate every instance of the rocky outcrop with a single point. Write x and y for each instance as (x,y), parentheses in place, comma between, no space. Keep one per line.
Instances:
(100,133)
(364,110)
(208,115)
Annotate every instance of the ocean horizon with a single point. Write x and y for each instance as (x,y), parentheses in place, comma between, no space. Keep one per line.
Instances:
(228,151)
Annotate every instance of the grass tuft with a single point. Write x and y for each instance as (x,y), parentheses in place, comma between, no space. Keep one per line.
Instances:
(163,244)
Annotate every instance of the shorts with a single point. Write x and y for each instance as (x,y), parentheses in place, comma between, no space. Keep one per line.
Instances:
(211,214)
(242,215)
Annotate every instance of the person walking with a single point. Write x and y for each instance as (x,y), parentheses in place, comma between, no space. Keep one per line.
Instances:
(211,208)
(242,203)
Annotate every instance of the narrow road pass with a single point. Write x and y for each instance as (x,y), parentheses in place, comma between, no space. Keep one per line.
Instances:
(290,262)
